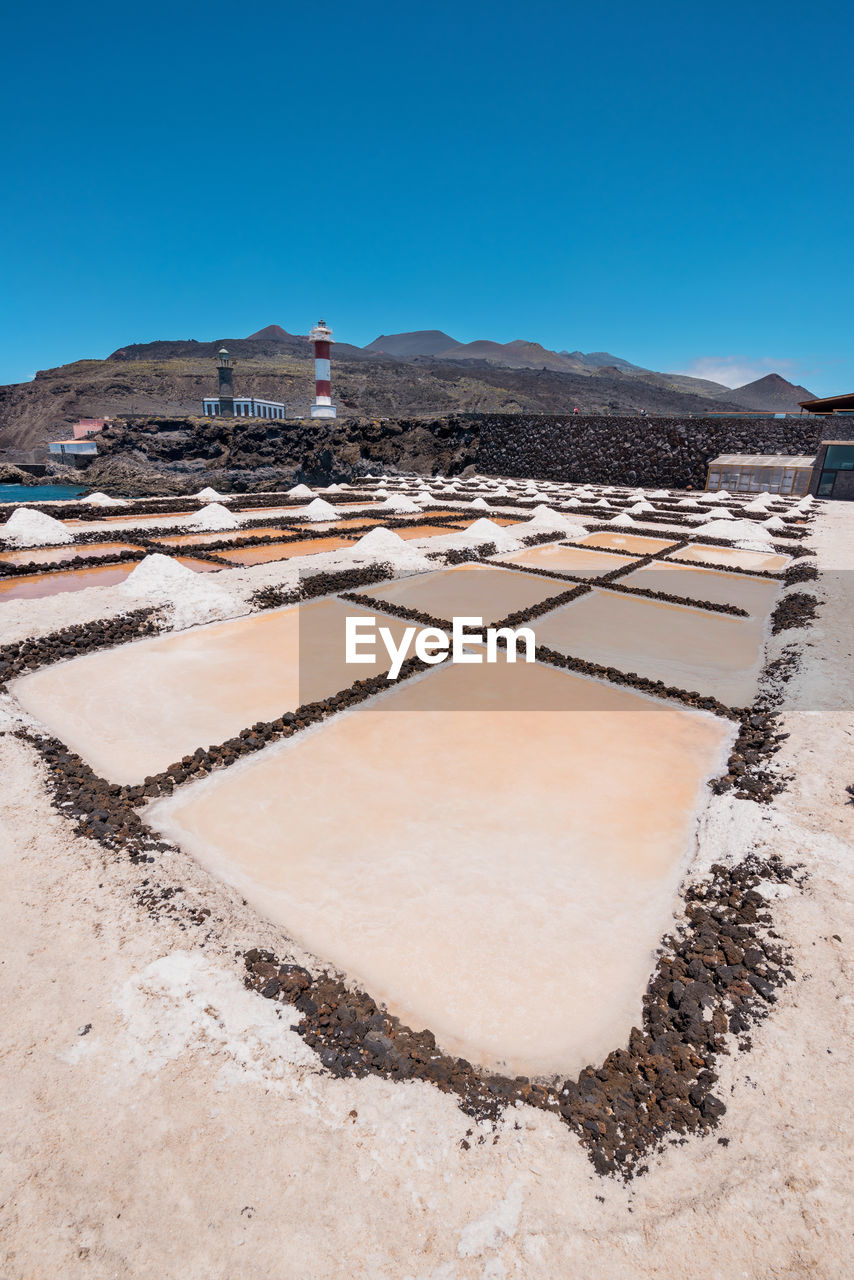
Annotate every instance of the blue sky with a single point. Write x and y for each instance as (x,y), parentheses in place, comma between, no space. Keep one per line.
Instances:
(631,178)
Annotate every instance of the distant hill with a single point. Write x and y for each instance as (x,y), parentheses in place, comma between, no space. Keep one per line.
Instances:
(422,374)
(771,392)
(422,342)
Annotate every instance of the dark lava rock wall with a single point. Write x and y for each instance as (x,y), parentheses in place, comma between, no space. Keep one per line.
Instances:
(239,453)
(672,452)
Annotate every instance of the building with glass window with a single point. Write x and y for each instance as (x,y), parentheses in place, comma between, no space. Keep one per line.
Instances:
(786,474)
(834,470)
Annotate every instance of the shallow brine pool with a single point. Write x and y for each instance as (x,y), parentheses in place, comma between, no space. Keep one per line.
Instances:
(733,557)
(36,585)
(136,709)
(708,653)
(503,879)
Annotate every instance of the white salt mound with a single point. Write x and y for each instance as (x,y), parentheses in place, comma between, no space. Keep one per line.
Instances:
(639,507)
(602,502)
(624,521)
(759,503)
(774,524)
(723,513)
(484,530)
(479,504)
(742,532)
(400,503)
(210,495)
(379,539)
(386,545)
(104,500)
(687,503)
(660,493)
(26,528)
(192,596)
(300,491)
(546,518)
(319,510)
(214,516)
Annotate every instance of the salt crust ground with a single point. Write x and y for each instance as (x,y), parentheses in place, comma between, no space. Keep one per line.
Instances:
(189,1135)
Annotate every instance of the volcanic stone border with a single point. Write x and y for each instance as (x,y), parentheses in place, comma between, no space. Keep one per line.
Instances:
(608,582)
(717,973)
(795,610)
(323,583)
(33,569)
(611,675)
(73,641)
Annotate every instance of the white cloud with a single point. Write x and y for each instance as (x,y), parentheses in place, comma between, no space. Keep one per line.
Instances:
(735,371)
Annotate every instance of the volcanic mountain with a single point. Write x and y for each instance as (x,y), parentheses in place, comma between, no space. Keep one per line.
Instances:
(423,374)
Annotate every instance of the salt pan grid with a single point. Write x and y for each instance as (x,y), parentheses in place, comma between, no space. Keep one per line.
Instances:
(713,654)
(69,551)
(636,544)
(561,559)
(469,590)
(132,711)
(478,871)
(37,585)
(733,558)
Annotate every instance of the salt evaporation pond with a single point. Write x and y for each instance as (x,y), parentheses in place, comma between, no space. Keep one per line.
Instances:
(733,557)
(283,550)
(708,653)
(134,710)
(563,559)
(503,879)
(637,544)
(469,590)
(37,585)
(69,551)
(756,595)
(222,535)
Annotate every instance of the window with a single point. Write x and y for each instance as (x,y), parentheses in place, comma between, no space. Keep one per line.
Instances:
(825,486)
(840,457)
(788,481)
(714,480)
(802,481)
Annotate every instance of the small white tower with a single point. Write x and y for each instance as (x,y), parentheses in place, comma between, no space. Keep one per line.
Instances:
(321,336)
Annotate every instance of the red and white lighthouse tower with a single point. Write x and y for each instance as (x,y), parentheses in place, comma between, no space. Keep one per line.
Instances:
(321,336)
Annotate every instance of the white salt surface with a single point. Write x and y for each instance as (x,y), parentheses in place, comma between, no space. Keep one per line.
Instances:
(210,495)
(300,491)
(192,597)
(744,533)
(212,517)
(708,653)
(759,503)
(134,710)
(544,886)
(481,531)
(28,528)
(319,510)
(401,504)
(381,546)
(103,500)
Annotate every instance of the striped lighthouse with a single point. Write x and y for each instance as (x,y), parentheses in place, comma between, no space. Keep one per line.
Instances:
(321,336)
